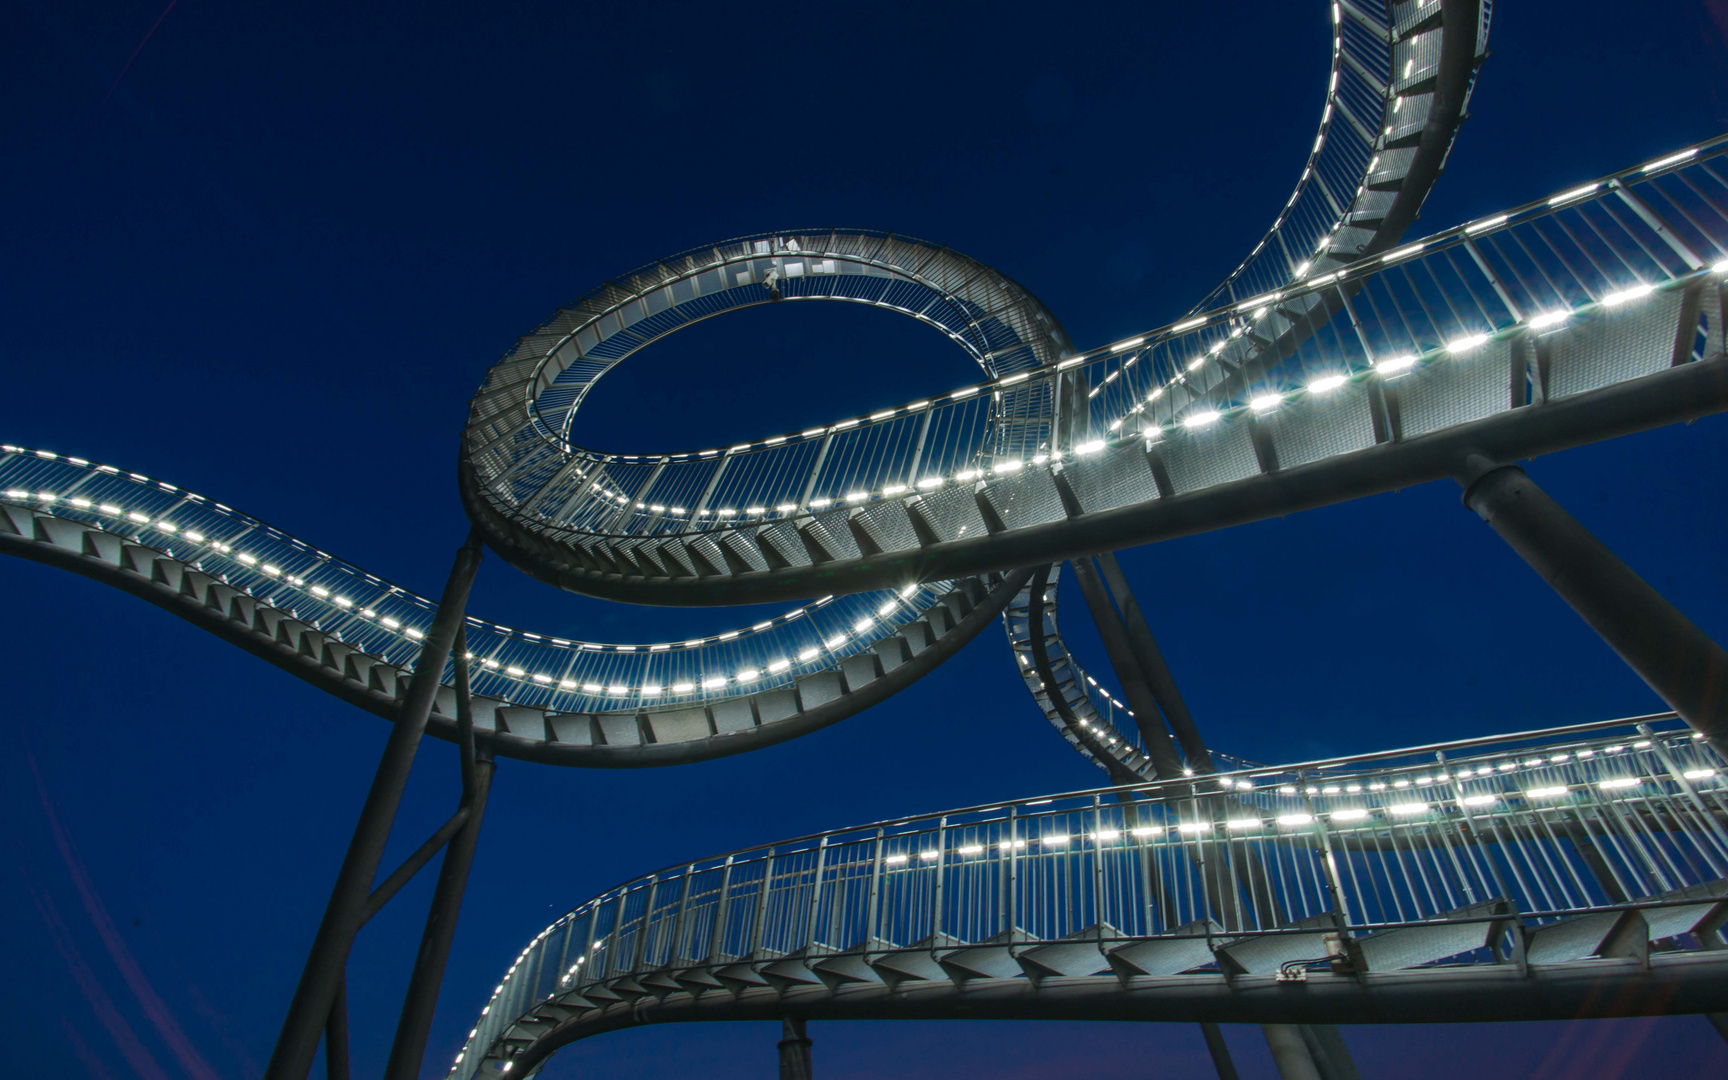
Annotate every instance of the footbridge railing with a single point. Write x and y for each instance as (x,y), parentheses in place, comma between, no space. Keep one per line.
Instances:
(1591,842)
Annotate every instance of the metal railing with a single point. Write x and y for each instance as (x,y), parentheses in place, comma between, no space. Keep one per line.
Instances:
(1508,834)
(373,616)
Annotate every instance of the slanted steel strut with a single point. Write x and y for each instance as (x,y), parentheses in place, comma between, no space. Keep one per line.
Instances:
(321,980)
(1679,661)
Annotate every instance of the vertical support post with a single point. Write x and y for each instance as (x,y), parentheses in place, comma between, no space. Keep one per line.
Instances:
(794,1050)
(1220,1052)
(336,1036)
(1290,1052)
(1687,669)
(1153,735)
(1158,677)
(309,1010)
(415,1024)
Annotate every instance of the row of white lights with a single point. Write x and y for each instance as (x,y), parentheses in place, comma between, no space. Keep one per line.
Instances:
(1201,418)
(1255,305)
(742,677)
(329,561)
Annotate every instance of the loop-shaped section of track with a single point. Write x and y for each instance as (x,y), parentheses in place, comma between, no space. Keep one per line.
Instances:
(1589,314)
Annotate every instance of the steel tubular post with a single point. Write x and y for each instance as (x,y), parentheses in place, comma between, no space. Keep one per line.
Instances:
(1153,666)
(415,1025)
(815,894)
(941,874)
(1220,1052)
(1153,735)
(873,908)
(336,1036)
(794,1046)
(1666,649)
(308,1011)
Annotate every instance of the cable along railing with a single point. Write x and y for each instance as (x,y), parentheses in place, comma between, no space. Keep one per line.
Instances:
(1248,871)
(363,612)
(1525,306)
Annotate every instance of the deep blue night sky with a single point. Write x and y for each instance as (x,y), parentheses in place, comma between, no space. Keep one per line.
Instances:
(270,259)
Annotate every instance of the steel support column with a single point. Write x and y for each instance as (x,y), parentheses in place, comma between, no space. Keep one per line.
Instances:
(1147,717)
(415,1024)
(1290,1051)
(1220,1052)
(1157,673)
(1687,669)
(794,1047)
(309,1011)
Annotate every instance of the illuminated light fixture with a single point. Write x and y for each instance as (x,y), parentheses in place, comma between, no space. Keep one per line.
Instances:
(929,856)
(857,496)
(726,513)
(1619,782)
(1720,268)
(966,474)
(1012,379)
(1330,789)
(1124,346)
(1152,431)
(968,392)
(1011,466)
(1295,819)
(320,592)
(1671,159)
(142,519)
(1116,425)
(1090,447)
(1507,766)
(1699,774)
(1465,344)
(812,432)
(1008,844)
(1326,383)
(862,625)
(893,489)
(1400,783)
(617,691)
(344,602)
(1485,224)
(1203,418)
(844,424)
(778,666)
(808,655)
(930,483)
(970,849)
(106,508)
(1574,195)
(1287,789)
(1354,813)
(1393,256)
(566,684)
(895,859)
(1146,830)
(1194,826)
(887,609)
(1265,402)
(1302,269)
(836,641)
(1107,835)
(1188,324)
(1479,800)
(1243,823)
(1423,781)
(1546,792)
(1054,840)
(818,504)
(714,682)
(1549,318)
(884,414)
(1624,295)
(786,508)
(748,675)
(274,572)
(543,679)
(1408,809)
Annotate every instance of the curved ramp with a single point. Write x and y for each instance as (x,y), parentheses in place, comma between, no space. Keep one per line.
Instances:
(356,636)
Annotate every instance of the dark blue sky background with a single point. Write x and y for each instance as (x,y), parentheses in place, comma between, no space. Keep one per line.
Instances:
(272,262)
